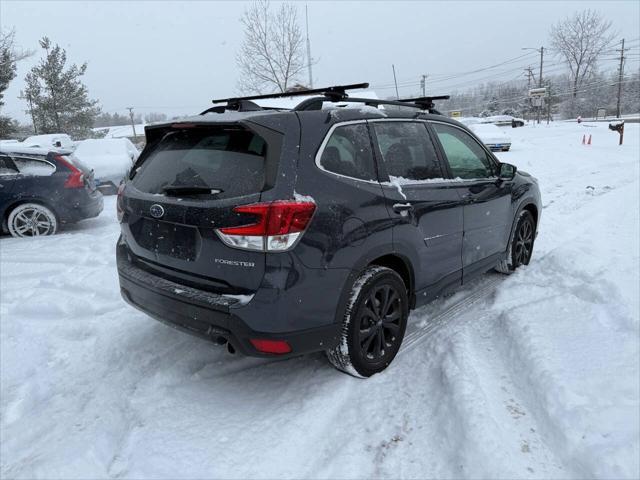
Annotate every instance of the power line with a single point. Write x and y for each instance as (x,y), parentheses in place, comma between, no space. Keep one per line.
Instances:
(446,76)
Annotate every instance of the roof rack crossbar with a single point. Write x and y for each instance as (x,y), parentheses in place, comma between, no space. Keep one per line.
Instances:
(426,103)
(335,91)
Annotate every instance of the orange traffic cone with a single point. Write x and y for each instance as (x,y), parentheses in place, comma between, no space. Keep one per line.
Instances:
(584,139)
(589,141)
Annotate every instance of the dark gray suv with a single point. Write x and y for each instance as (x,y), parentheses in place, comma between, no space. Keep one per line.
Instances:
(282,232)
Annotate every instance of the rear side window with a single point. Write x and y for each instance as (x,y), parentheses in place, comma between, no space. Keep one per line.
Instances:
(6,166)
(467,159)
(348,152)
(33,167)
(407,150)
(231,160)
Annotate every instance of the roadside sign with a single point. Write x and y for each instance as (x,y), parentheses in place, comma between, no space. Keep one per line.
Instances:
(455,114)
(537,101)
(538,92)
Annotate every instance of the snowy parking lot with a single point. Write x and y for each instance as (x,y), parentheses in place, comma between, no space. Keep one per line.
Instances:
(534,375)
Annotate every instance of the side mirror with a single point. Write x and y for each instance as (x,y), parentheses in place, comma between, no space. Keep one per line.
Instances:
(507,171)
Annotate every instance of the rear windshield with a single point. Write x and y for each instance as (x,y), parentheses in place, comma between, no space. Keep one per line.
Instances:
(231,160)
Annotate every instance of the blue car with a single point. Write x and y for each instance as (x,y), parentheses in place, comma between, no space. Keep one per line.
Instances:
(41,189)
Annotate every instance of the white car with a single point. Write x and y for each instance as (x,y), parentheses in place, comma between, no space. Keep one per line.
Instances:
(492,136)
(504,120)
(110,158)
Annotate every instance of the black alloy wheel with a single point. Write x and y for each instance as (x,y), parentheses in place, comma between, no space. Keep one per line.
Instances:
(374,323)
(379,323)
(523,241)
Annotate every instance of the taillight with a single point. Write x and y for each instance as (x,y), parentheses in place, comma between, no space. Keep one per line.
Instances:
(120,202)
(270,346)
(75,178)
(276,228)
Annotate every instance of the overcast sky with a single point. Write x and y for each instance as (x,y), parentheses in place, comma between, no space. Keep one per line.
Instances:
(173,57)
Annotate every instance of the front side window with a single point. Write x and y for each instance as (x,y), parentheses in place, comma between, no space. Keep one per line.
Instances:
(33,167)
(407,150)
(467,159)
(348,152)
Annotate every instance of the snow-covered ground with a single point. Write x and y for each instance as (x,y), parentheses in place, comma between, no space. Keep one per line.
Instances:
(535,375)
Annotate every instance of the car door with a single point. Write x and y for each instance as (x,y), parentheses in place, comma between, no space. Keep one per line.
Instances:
(487,208)
(34,177)
(8,173)
(425,207)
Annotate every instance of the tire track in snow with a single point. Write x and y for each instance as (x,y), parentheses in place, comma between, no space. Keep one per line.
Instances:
(511,409)
(418,334)
(513,403)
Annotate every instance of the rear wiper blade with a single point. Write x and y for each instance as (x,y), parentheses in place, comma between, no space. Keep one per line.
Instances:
(190,190)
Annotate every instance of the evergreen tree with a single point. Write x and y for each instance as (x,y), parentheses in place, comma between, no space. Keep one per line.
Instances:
(58,100)
(9,56)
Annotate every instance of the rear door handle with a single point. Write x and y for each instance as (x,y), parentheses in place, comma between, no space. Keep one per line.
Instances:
(402,208)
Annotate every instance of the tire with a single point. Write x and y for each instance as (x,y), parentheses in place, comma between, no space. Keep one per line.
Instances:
(363,352)
(32,220)
(521,246)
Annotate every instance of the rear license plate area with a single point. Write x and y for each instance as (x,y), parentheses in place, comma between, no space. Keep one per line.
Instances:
(164,238)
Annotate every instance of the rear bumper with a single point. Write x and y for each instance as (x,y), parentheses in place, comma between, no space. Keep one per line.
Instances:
(217,318)
(88,206)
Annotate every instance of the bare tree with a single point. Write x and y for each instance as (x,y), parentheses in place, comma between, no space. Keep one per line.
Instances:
(272,55)
(580,40)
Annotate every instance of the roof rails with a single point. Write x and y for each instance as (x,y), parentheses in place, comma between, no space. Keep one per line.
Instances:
(335,93)
(426,103)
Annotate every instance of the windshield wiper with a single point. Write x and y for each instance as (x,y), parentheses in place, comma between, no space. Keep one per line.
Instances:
(190,190)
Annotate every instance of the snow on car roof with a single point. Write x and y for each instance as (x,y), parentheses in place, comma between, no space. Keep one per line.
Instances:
(490,133)
(19,148)
(49,139)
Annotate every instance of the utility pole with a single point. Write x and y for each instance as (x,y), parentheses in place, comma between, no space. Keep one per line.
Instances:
(306,15)
(540,79)
(133,125)
(549,103)
(395,80)
(540,76)
(529,75)
(620,77)
(423,85)
(541,51)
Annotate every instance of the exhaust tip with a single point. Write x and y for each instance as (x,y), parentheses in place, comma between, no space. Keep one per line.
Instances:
(230,348)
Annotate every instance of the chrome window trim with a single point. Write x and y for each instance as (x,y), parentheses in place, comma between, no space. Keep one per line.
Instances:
(36,159)
(445,181)
(324,144)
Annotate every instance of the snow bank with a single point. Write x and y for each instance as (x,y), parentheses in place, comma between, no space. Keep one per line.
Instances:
(122,131)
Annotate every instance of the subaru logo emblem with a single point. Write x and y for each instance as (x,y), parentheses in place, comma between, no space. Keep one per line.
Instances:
(156,211)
